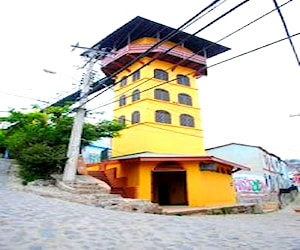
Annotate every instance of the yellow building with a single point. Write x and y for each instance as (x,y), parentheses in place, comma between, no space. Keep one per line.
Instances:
(160,156)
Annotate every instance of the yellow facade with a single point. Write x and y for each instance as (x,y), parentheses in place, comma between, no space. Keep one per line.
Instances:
(188,184)
(158,137)
(203,188)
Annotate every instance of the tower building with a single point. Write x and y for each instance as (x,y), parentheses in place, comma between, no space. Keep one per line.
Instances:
(160,156)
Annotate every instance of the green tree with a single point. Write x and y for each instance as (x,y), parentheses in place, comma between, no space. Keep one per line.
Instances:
(38,140)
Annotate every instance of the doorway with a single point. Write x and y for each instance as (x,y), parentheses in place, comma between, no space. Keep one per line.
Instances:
(169,187)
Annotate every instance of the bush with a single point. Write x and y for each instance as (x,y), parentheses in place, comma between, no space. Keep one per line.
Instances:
(40,161)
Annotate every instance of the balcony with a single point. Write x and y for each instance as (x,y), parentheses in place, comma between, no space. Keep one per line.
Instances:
(131,51)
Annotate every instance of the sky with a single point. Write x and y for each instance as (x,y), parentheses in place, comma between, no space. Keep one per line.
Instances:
(247,100)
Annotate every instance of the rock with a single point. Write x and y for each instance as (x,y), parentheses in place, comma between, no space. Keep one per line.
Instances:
(42,183)
(130,205)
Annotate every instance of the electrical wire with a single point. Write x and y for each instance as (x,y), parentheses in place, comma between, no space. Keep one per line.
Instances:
(226,60)
(286,31)
(232,33)
(25,97)
(169,36)
(165,129)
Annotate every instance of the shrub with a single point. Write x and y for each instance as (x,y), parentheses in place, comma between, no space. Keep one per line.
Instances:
(40,161)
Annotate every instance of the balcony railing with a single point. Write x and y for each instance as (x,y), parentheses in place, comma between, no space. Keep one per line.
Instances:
(141,48)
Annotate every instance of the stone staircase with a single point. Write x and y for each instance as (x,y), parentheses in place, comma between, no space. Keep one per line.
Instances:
(83,184)
(118,184)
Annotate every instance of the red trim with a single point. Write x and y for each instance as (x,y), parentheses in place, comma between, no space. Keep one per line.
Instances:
(134,57)
(186,158)
(120,65)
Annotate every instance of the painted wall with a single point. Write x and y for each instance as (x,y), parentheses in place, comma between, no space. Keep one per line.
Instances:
(265,167)
(248,156)
(207,188)
(158,137)
(204,188)
(250,185)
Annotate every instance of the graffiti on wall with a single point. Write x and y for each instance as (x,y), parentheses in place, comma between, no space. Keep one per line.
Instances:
(250,184)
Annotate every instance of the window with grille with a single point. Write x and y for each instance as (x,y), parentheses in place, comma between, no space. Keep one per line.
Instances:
(136,76)
(136,95)
(185,99)
(135,117)
(122,119)
(162,116)
(161,74)
(183,80)
(123,81)
(187,120)
(161,94)
(122,100)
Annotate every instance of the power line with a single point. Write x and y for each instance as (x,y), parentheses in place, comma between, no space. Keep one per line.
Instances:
(25,97)
(226,60)
(253,50)
(185,25)
(232,33)
(165,129)
(170,35)
(286,31)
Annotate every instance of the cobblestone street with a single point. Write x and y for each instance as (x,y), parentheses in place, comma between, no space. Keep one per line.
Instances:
(28,221)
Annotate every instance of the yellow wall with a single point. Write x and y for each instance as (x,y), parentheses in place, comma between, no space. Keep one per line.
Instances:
(207,188)
(144,190)
(149,135)
(204,188)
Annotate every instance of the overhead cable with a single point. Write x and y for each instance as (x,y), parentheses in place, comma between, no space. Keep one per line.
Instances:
(221,62)
(286,31)
(171,48)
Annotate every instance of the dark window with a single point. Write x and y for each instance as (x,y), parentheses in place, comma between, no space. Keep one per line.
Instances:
(136,75)
(162,116)
(185,99)
(184,80)
(122,100)
(187,120)
(136,95)
(123,81)
(161,74)
(161,94)
(135,117)
(122,119)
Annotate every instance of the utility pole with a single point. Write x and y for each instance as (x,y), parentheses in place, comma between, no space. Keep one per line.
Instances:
(93,56)
(75,139)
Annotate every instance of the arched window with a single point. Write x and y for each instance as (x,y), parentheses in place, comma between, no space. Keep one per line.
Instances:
(187,120)
(136,95)
(136,75)
(184,99)
(183,80)
(161,94)
(122,119)
(162,116)
(161,74)
(135,117)
(123,81)
(122,100)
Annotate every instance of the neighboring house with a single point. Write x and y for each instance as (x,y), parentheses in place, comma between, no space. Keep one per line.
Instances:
(268,175)
(97,151)
(160,155)
(93,153)
(294,171)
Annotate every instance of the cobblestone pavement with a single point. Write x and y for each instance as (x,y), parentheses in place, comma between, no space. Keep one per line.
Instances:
(28,221)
